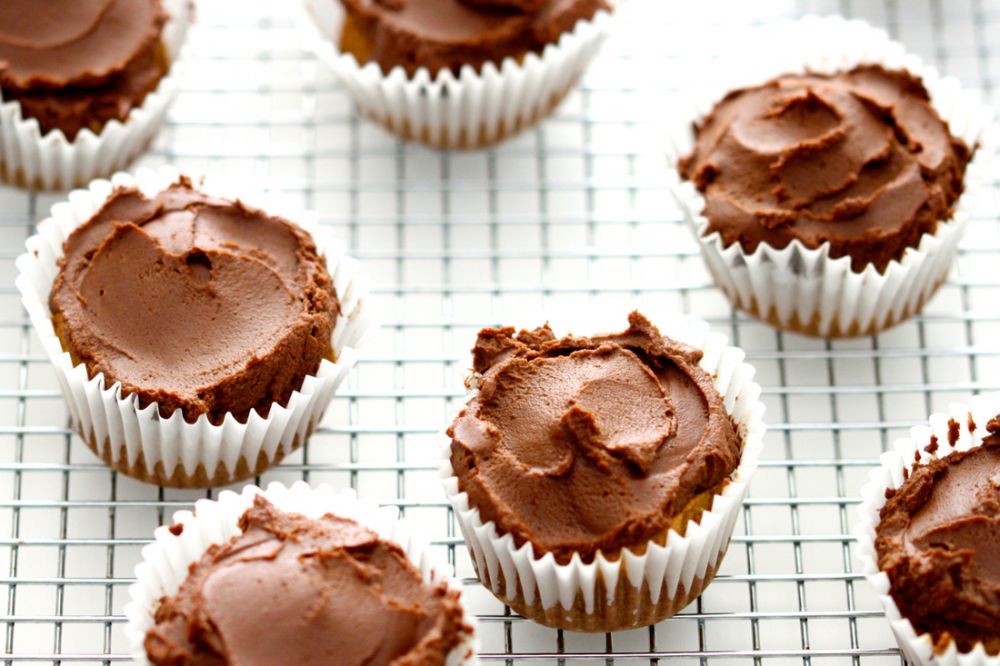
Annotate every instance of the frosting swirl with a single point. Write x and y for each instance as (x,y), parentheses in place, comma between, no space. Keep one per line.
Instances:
(582,444)
(857,159)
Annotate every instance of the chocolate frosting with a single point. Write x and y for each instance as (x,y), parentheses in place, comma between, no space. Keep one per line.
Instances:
(938,540)
(290,590)
(447,34)
(858,159)
(79,63)
(196,303)
(581,444)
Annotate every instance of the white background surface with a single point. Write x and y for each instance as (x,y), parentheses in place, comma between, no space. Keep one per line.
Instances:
(566,220)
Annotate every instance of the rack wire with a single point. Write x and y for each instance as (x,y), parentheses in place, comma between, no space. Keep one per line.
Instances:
(571,215)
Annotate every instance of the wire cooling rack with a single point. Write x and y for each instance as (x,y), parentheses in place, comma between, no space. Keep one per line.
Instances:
(568,217)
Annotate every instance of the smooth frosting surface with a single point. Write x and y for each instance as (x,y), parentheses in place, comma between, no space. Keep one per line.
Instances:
(291,590)
(939,542)
(195,303)
(447,34)
(858,159)
(582,444)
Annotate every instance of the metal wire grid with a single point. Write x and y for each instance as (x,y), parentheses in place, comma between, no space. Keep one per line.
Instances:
(569,216)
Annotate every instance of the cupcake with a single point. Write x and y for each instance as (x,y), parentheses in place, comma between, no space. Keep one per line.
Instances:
(597,479)
(459,73)
(198,340)
(929,537)
(293,576)
(828,199)
(84,85)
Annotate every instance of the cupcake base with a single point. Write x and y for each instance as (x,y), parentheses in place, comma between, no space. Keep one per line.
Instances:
(834,330)
(471,140)
(630,608)
(43,182)
(180,478)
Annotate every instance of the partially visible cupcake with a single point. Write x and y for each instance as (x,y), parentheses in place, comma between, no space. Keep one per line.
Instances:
(597,479)
(84,85)
(929,537)
(827,201)
(459,73)
(294,576)
(198,339)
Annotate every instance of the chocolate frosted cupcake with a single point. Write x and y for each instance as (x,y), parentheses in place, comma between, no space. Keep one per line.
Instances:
(341,583)
(938,540)
(459,73)
(199,339)
(69,71)
(827,198)
(194,303)
(77,64)
(593,454)
(857,159)
(929,536)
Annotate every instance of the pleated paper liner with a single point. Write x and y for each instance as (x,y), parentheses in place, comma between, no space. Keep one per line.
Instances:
(645,583)
(165,562)
(802,289)
(32,160)
(470,110)
(138,441)
(905,454)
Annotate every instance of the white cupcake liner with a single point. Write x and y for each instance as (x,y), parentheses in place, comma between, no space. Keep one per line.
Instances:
(918,648)
(472,109)
(165,561)
(29,159)
(663,572)
(803,289)
(170,451)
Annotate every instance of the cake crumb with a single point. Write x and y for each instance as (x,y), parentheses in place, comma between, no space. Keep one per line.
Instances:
(953,431)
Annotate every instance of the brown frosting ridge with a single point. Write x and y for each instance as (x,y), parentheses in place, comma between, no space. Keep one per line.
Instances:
(291,590)
(447,34)
(586,444)
(938,540)
(196,303)
(80,63)
(858,159)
